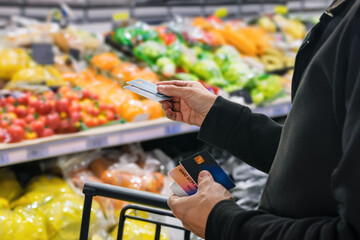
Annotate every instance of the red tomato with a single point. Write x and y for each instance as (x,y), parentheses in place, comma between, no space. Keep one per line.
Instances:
(85,94)
(75,107)
(44,107)
(110,115)
(20,111)
(5,123)
(19,122)
(16,133)
(10,108)
(62,105)
(64,125)
(95,111)
(53,120)
(2,135)
(75,117)
(47,132)
(37,126)
(23,99)
(103,107)
(29,118)
(3,102)
(10,100)
(34,103)
(93,96)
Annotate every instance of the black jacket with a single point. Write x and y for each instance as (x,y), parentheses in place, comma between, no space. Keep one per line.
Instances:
(313,161)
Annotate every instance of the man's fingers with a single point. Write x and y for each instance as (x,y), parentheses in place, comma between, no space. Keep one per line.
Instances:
(173,91)
(176,107)
(173,200)
(166,105)
(174,82)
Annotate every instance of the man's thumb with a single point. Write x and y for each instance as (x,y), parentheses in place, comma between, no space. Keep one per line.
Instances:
(204,175)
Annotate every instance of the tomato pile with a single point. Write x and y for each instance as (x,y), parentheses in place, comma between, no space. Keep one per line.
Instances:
(42,114)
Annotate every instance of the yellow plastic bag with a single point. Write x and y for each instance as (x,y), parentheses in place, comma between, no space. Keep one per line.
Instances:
(9,185)
(11,61)
(64,214)
(41,189)
(22,223)
(36,75)
(4,203)
(135,229)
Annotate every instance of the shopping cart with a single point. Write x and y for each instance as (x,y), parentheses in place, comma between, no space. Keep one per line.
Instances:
(157,202)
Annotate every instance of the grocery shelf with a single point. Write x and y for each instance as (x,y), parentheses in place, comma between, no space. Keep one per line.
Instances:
(107,136)
(104,136)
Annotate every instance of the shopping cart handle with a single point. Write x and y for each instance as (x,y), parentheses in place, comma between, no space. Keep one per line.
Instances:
(125,194)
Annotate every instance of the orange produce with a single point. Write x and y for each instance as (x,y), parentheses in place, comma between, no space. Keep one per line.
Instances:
(257,36)
(130,109)
(153,108)
(125,72)
(99,165)
(105,61)
(239,41)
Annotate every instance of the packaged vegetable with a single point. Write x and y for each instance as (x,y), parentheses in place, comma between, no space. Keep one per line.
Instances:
(11,61)
(135,229)
(22,223)
(9,185)
(166,66)
(36,75)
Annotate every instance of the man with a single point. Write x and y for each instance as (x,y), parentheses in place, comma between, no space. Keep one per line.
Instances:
(313,161)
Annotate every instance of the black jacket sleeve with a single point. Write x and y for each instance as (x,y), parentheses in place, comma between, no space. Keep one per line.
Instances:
(250,136)
(257,224)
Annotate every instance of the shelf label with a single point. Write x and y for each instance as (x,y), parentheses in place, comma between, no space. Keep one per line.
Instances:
(42,53)
(4,158)
(37,152)
(172,129)
(97,142)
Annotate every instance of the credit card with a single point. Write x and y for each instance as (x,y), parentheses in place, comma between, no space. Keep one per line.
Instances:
(146,94)
(148,87)
(183,179)
(174,187)
(205,161)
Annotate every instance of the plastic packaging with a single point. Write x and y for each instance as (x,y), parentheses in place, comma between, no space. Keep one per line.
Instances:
(9,185)
(135,229)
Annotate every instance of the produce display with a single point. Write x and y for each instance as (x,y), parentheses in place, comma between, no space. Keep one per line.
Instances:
(31,115)
(231,55)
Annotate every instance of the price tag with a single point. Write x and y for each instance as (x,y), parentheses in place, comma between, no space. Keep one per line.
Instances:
(172,129)
(37,152)
(221,12)
(75,53)
(97,142)
(120,16)
(4,158)
(43,53)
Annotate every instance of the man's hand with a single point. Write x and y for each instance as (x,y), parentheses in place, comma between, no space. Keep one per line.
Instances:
(193,211)
(190,103)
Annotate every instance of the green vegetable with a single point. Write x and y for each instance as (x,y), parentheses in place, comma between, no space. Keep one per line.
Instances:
(187,60)
(207,70)
(257,96)
(166,66)
(150,49)
(174,51)
(226,53)
(236,72)
(266,88)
